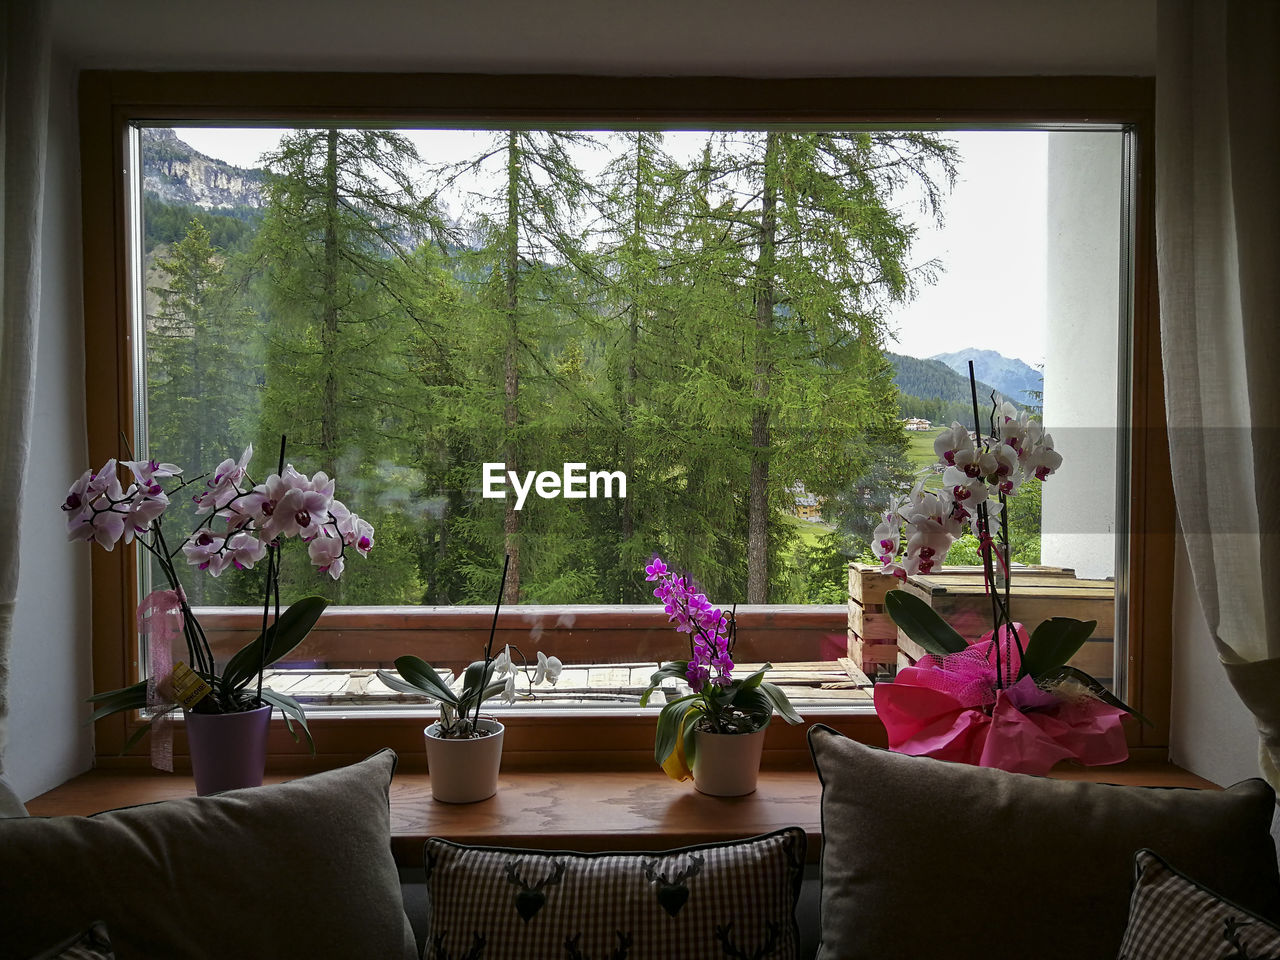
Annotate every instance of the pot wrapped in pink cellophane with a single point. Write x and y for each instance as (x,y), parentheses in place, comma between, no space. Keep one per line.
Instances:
(958,708)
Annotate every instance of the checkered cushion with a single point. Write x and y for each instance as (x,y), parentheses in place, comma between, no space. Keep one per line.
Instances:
(1171,917)
(708,901)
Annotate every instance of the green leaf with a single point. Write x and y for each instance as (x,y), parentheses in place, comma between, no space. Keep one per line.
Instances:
(755,703)
(780,702)
(1055,642)
(281,638)
(422,676)
(690,744)
(474,681)
(923,624)
(396,682)
(292,710)
(140,685)
(1097,689)
(664,740)
(675,670)
(753,681)
(117,701)
(134,737)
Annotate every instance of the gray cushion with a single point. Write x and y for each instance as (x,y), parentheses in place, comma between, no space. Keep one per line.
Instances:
(706,902)
(919,855)
(299,869)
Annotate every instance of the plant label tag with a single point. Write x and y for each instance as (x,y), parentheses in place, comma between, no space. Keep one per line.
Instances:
(189,688)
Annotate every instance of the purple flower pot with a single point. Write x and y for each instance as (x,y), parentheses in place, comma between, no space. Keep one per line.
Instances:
(228,750)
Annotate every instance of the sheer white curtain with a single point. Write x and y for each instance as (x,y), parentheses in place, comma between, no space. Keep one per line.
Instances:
(1218,248)
(25,103)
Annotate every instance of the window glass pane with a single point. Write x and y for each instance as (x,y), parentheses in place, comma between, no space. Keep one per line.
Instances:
(731,348)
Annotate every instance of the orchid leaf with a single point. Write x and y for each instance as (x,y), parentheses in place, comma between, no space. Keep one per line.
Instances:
(281,638)
(780,702)
(753,681)
(1055,642)
(689,740)
(140,685)
(423,677)
(675,670)
(923,624)
(669,721)
(115,701)
(396,682)
(756,704)
(292,710)
(137,735)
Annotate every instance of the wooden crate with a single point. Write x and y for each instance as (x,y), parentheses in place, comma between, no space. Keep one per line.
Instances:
(873,636)
(1038,593)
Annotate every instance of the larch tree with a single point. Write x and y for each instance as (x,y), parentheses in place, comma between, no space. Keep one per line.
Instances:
(202,347)
(809,229)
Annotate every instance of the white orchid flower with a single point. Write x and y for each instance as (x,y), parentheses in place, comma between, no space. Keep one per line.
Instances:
(223,486)
(1006,458)
(326,555)
(244,550)
(354,530)
(965,490)
(147,473)
(950,442)
(204,551)
(143,508)
(884,541)
(509,688)
(976,461)
(1043,459)
(502,662)
(301,513)
(548,669)
(926,549)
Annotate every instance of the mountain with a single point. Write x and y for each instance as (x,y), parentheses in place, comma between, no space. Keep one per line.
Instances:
(178,174)
(931,390)
(1016,380)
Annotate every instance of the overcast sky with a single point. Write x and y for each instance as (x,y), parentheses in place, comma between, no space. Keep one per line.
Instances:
(990,293)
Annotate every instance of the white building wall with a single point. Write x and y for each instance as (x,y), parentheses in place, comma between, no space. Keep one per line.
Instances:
(1080,379)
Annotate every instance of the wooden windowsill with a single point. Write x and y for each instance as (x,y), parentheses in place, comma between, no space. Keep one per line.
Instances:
(577,810)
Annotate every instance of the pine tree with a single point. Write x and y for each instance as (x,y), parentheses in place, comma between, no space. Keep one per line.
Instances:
(341,221)
(202,348)
(526,268)
(810,245)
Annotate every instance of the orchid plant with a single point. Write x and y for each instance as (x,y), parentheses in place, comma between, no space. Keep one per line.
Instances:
(242,524)
(1022,685)
(718,703)
(483,679)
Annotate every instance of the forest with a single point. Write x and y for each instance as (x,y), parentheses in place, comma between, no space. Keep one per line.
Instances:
(710,323)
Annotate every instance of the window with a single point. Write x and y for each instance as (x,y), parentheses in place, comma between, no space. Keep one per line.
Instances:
(633,321)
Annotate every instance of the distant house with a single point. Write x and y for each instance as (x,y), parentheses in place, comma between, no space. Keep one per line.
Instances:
(805,505)
(916,424)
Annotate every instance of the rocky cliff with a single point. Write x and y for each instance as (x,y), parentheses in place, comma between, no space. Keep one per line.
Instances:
(178,174)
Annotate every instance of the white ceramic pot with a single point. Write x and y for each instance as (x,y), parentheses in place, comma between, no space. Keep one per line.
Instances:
(727,764)
(464,771)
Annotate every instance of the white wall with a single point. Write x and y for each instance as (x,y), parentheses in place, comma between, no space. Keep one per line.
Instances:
(48,739)
(1080,379)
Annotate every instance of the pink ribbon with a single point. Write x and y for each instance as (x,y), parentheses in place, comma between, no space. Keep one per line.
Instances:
(160,621)
(985,543)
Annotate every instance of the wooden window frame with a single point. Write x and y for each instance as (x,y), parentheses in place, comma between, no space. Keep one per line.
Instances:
(111,100)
